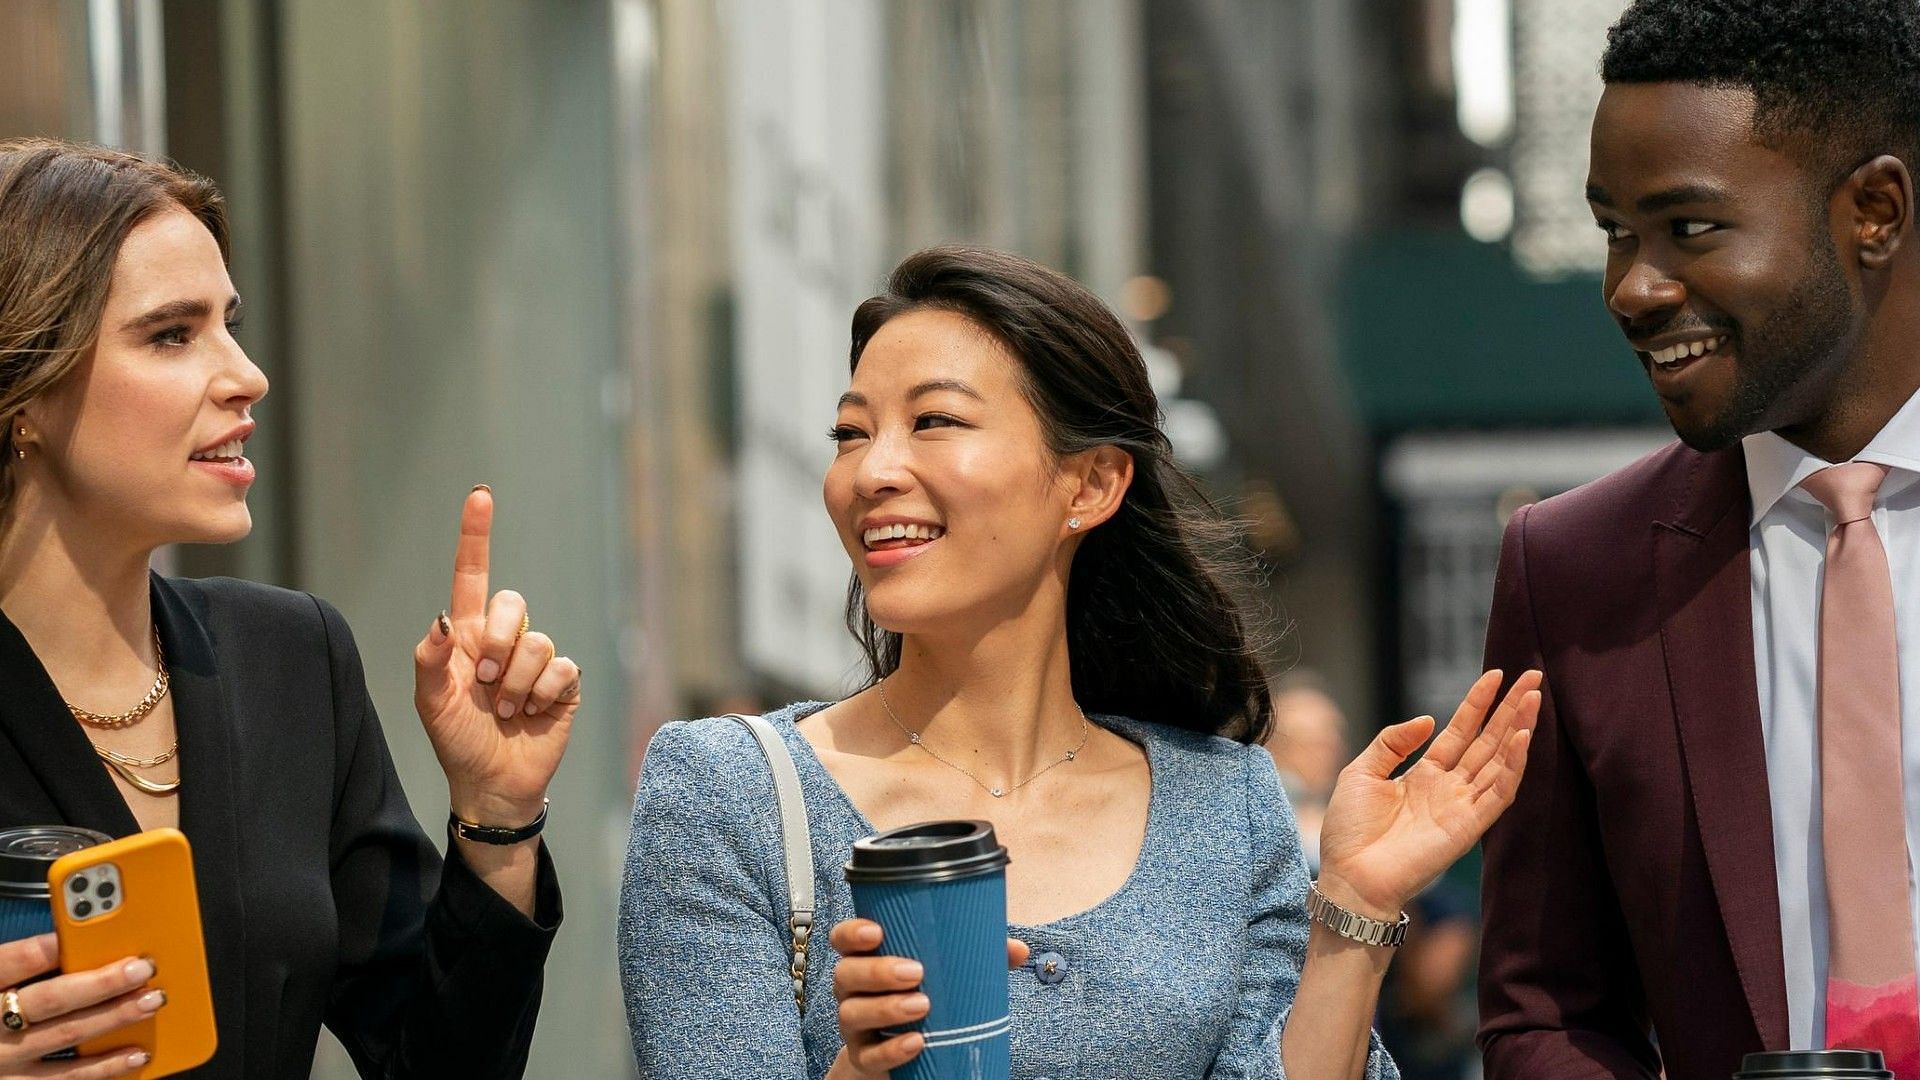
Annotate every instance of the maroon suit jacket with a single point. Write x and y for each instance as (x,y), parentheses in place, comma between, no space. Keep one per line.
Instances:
(1631,885)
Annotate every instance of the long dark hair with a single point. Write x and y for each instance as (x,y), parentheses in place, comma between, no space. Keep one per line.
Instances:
(1154,628)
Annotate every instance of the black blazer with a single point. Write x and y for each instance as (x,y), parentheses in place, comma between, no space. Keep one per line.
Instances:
(321,898)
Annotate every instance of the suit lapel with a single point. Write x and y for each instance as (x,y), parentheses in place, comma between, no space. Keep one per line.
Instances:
(1704,585)
(65,783)
(209,806)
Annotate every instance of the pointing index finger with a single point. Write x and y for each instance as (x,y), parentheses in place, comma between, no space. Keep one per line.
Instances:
(470,557)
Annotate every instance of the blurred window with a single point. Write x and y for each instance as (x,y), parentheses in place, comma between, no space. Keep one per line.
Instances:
(1455,494)
(1557,45)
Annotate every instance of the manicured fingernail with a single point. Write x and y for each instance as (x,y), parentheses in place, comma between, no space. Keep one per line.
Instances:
(505,709)
(138,1058)
(488,488)
(152,1000)
(139,969)
(488,671)
(917,1004)
(442,626)
(906,969)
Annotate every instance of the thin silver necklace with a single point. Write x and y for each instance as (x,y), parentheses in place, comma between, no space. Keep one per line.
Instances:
(998,793)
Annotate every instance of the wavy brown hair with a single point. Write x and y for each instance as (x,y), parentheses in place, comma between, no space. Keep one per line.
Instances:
(1155,626)
(65,209)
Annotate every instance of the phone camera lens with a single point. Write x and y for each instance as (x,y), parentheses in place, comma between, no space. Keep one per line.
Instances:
(83,909)
(106,889)
(78,884)
(106,905)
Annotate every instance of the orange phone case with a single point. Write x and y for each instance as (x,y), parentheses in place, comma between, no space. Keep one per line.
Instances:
(136,897)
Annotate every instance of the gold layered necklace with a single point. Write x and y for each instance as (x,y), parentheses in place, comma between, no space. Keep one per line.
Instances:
(138,712)
(125,765)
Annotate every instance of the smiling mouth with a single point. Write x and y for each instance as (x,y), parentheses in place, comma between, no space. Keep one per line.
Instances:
(230,451)
(900,537)
(1674,357)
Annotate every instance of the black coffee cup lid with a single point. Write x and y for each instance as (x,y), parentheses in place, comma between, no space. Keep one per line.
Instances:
(929,851)
(1814,1065)
(26,853)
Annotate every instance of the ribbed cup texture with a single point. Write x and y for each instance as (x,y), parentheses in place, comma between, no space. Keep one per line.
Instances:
(1813,1065)
(24,918)
(957,929)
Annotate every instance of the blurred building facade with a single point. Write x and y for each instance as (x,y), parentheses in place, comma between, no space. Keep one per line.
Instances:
(604,255)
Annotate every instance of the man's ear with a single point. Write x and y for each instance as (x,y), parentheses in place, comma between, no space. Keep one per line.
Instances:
(1882,205)
(1101,476)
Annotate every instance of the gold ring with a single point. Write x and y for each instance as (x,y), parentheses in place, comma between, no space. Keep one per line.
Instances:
(526,624)
(10,1013)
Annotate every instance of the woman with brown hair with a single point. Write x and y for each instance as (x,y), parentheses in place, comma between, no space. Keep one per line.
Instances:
(1052,647)
(233,711)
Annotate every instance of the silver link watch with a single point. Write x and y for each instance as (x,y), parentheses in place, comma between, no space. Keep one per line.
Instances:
(1352,925)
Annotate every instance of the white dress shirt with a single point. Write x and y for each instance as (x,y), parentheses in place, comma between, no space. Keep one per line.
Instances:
(1788,545)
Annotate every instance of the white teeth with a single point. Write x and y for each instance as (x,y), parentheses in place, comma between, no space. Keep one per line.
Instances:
(881,533)
(231,449)
(1673,354)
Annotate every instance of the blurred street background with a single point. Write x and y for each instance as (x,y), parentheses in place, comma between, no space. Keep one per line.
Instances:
(602,255)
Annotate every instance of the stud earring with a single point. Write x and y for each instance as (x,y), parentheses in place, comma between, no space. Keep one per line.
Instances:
(1073,523)
(21,451)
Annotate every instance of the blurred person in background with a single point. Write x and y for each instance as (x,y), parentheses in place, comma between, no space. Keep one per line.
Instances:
(1308,742)
(1426,1017)
(1711,847)
(1050,649)
(234,711)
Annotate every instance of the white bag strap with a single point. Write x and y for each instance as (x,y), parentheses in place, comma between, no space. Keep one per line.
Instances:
(797,842)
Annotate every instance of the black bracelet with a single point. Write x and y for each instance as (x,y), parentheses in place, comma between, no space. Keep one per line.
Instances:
(489,834)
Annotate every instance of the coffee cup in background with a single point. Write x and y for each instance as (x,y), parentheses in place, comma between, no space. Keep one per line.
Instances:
(939,892)
(1814,1065)
(26,902)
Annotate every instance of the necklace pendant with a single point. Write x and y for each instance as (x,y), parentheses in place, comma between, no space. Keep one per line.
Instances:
(995,792)
(913,737)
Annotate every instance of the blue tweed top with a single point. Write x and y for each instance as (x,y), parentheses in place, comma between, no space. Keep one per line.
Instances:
(1187,971)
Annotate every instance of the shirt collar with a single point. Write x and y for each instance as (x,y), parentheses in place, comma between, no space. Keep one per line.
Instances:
(1776,466)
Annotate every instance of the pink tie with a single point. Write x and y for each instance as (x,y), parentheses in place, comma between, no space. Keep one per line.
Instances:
(1872,999)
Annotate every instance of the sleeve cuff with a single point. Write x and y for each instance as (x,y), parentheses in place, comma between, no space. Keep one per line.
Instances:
(473,910)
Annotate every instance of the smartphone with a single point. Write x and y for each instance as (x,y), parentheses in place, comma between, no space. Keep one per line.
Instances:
(136,897)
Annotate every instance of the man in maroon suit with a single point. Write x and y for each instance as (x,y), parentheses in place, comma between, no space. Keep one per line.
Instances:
(1666,893)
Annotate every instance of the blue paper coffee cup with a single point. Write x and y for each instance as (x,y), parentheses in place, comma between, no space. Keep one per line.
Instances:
(26,902)
(939,892)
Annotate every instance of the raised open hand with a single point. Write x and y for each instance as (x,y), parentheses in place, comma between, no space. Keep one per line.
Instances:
(1385,839)
(498,704)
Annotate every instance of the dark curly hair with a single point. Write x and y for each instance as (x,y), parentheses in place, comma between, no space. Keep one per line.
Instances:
(1835,82)
(1155,626)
